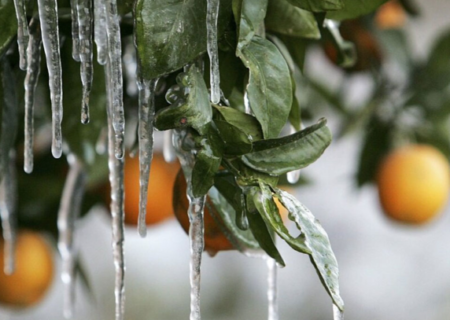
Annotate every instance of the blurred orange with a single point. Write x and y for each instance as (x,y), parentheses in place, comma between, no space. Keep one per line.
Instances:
(159,197)
(414,183)
(33,273)
(391,15)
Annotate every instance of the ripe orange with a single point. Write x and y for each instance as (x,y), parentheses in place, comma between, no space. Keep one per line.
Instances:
(159,197)
(33,273)
(413,183)
(391,15)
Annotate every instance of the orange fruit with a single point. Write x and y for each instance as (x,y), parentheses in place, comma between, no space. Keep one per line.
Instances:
(391,15)
(413,183)
(215,239)
(159,196)
(33,273)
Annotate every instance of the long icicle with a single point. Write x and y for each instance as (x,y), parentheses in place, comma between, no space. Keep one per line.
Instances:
(196,228)
(7,163)
(8,211)
(48,16)
(69,210)
(272,289)
(85,23)
(22,32)
(100,36)
(31,80)
(116,173)
(115,66)
(145,132)
(212,46)
(75,30)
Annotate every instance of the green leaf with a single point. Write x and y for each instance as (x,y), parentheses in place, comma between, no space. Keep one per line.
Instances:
(171,34)
(8,25)
(284,18)
(249,15)
(318,5)
(297,49)
(246,176)
(243,240)
(296,151)
(196,112)
(260,230)
(316,241)
(295,114)
(355,8)
(269,89)
(438,64)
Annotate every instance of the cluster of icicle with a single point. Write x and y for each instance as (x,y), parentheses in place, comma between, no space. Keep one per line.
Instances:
(98,20)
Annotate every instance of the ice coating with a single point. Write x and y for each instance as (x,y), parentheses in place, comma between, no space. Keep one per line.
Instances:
(168,151)
(69,210)
(272,289)
(100,36)
(293,176)
(31,79)
(115,75)
(116,172)
(85,24)
(75,30)
(8,212)
(212,46)
(337,314)
(48,16)
(22,32)
(195,213)
(146,90)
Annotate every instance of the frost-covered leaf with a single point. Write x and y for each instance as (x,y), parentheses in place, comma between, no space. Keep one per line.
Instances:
(316,241)
(249,14)
(296,151)
(194,112)
(355,8)
(318,5)
(170,34)
(287,19)
(269,89)
(8,24)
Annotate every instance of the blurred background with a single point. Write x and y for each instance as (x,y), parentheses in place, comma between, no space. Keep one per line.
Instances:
(387,270)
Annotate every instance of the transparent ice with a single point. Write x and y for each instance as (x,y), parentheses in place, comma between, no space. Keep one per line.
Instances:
(212,46)
(100,36)
(22,32)
(293,176)
(272,289)
(75,30)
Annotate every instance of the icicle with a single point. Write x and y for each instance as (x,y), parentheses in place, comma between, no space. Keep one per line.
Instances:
(117,209)
(85,24)
(130,66)
(48,16)
(196,229)
(31,79)
(115,75)
(75,30)
(8,202)
(337,314)
(145,132)
(168,151)
(102,141)
(213,51)
(293,176)
(272,289)
(100,37)
(69,210)
(22,32)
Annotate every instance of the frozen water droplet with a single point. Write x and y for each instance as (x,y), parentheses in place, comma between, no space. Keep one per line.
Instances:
(22,32)
(31,79)
(69,210)
(48,16)
(145,134)
(293,176)
(212,46)
(168,150)
(272,289)
(337,314)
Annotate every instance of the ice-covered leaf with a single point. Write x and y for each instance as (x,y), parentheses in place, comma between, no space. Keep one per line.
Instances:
(296,151)
(314,238)
(194,112)
(249,14)
(170,34)
(269,89)
(287,19)
(8,24)
(355,8)
(318,5)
